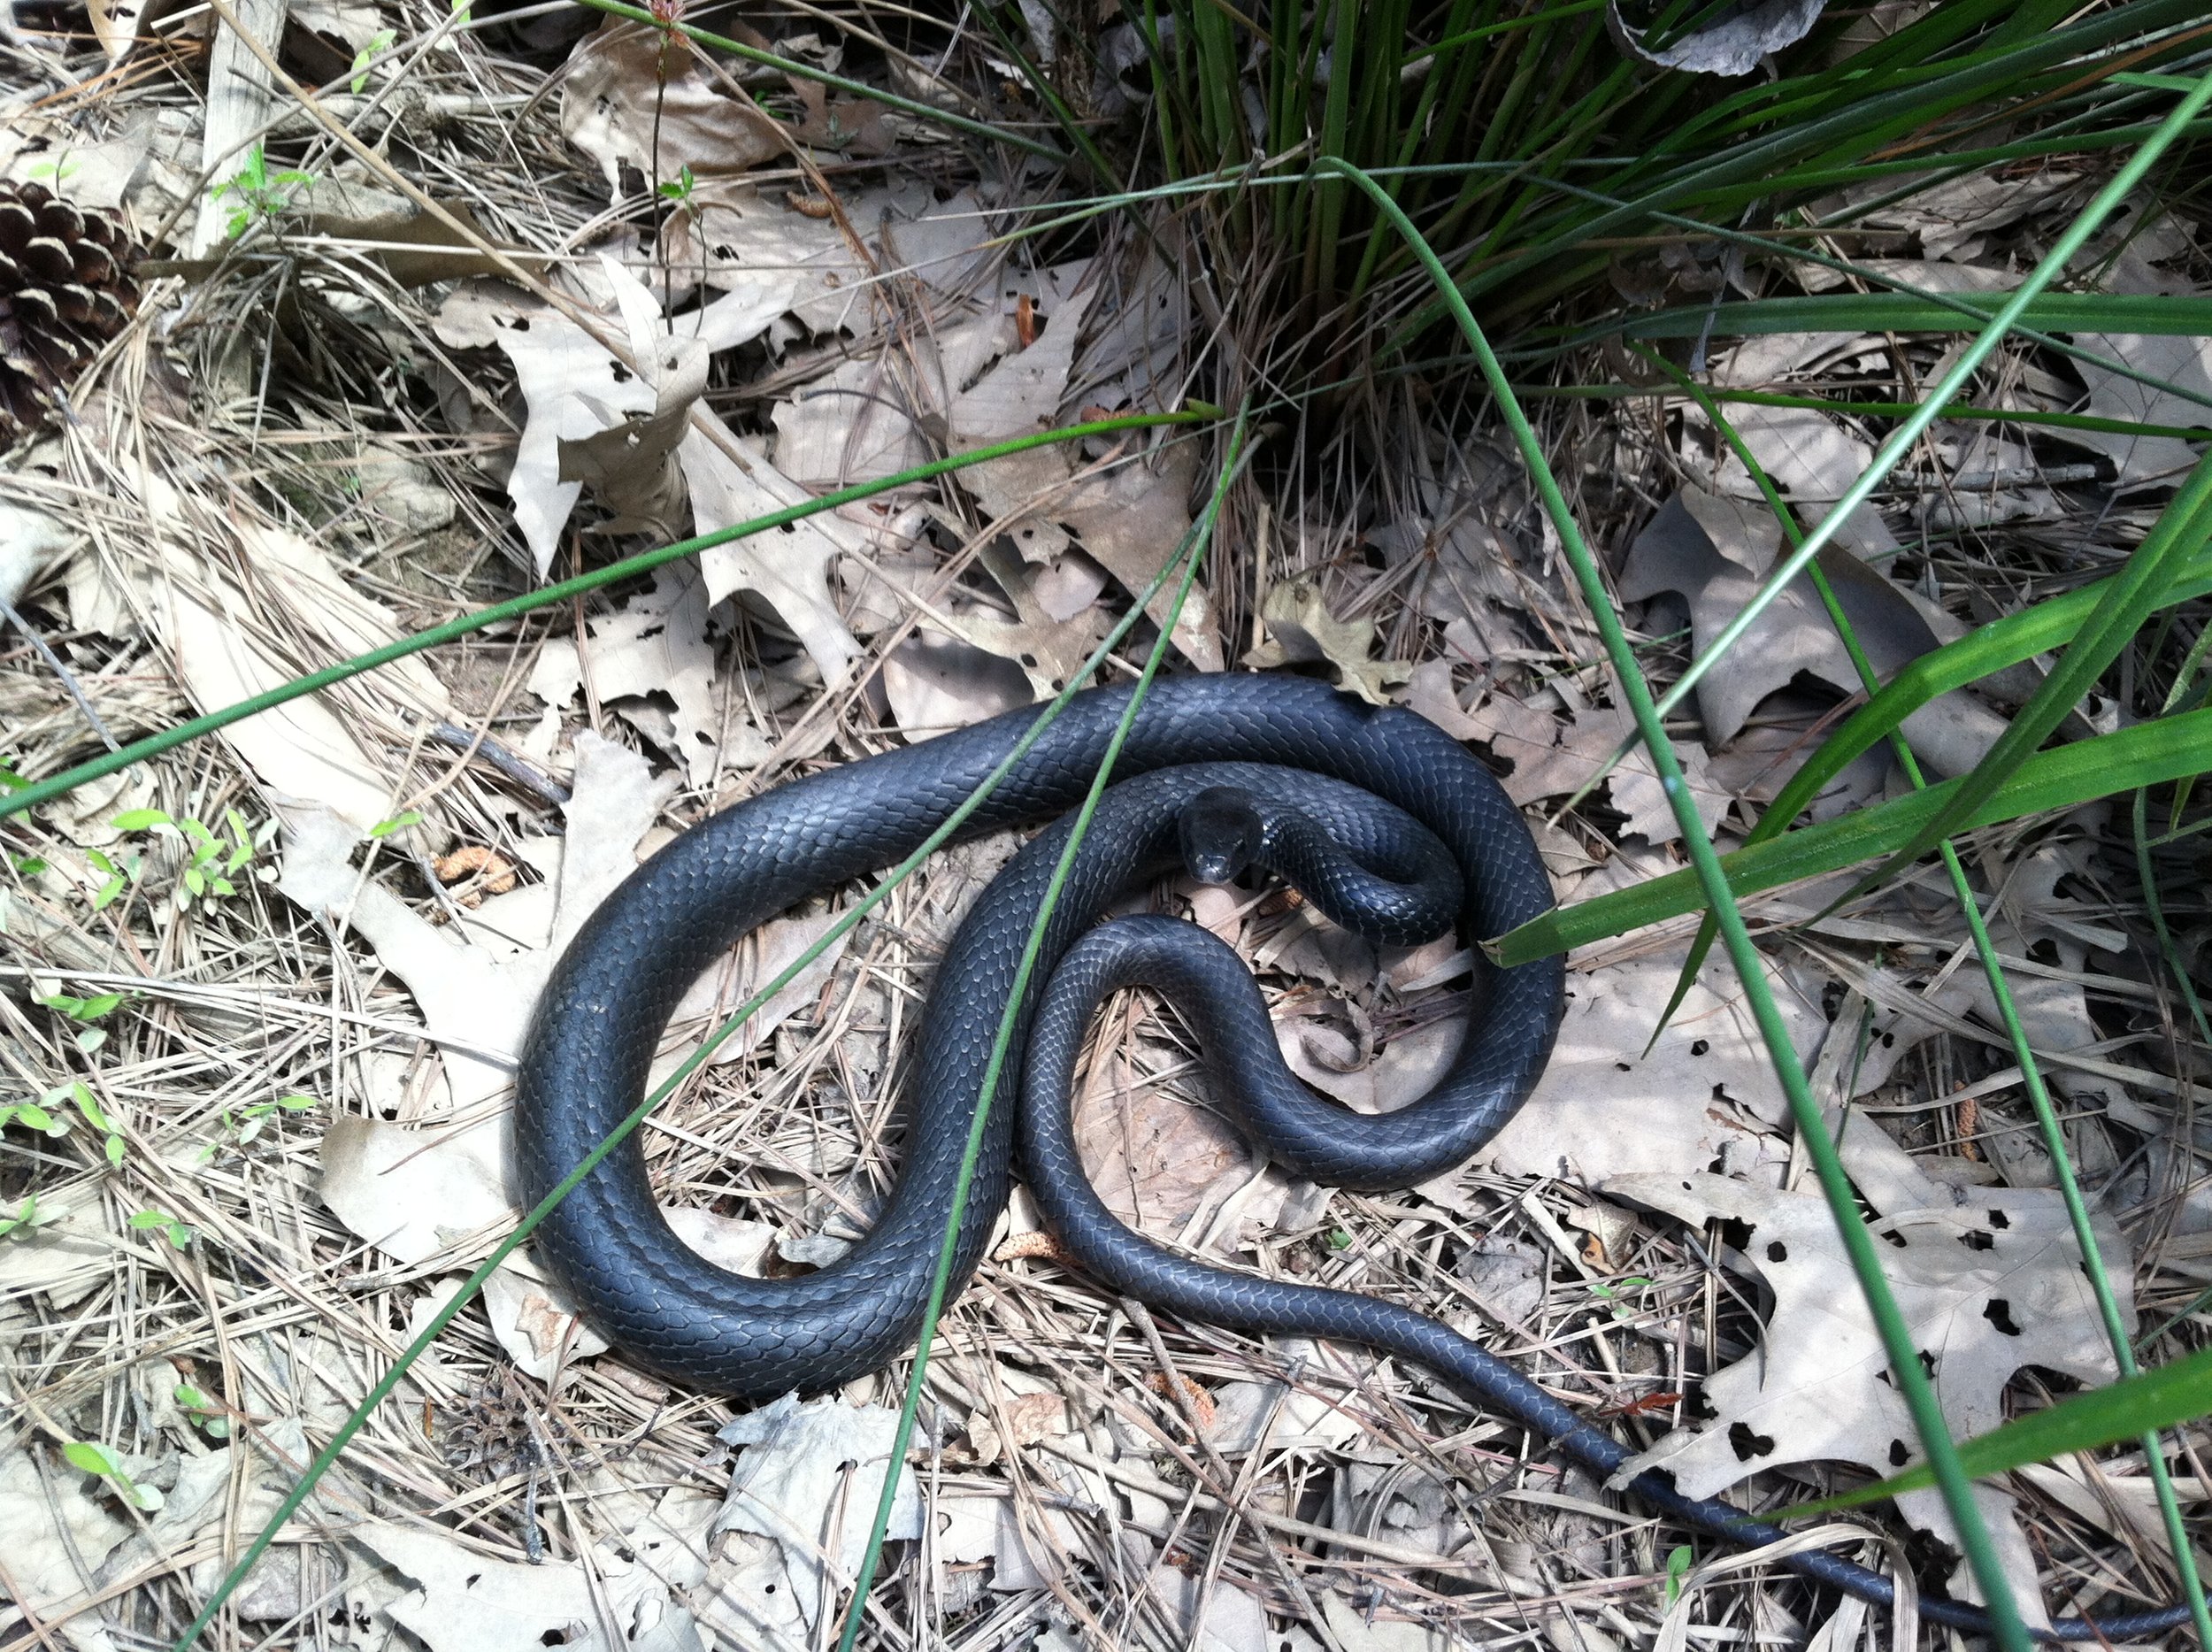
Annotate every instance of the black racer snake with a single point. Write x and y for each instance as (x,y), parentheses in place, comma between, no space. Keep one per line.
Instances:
(1280,771)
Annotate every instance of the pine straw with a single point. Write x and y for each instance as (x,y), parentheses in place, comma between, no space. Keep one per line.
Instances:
(248,999)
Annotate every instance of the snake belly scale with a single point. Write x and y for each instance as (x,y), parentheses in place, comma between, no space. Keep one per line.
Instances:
(1291,745)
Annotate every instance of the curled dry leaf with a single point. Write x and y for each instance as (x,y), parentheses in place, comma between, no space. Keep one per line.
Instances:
(1736,44)
(1302,631)
(1715,552)
(574,390)
(635,97)
(1989,1282)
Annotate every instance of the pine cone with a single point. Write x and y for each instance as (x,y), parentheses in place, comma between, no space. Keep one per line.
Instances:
(63,292)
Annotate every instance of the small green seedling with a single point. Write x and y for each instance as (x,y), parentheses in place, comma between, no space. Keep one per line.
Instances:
(212,1417)
(30,1218)
(383,829)
(213,856)
(95,1458)
(679,187)
(118,875)
(111,1138)
(1677,1568)
(1615,1294)
(244,1125)
(31,1116)
(378,44)
(180,1234)
(258,192)
(84,1011)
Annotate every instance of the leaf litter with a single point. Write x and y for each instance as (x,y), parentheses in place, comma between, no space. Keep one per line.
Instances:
(1059,1484)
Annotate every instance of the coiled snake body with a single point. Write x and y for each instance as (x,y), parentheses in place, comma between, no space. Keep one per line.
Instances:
(1217,771)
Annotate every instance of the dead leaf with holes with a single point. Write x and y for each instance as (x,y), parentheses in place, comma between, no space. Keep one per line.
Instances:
(1552,758)
(1703,1097)
(464,1602)
(476,994)
(807,1479)
(783,572)
(636,96)
(1989,1282)
(1129,517)
(1051,651)
(652,662)
(1302,631)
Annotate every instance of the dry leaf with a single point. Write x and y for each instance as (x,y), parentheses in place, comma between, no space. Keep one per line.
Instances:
(873,417)
(464,1602)
(574,390)
(1219,1618)
(1734,45)
(68,1254)
(476,996)
(786,569)
(414,1193)
(1989,1282)
(936,684)
(809,1479)
(1302,631)
(1717,552)
(655,648)
(636,96)
(2185,362)
(1554,759)
(214,622)
(1354,1632)
(1152,1157)
(1705,1097)
(45,1539)
(1050,651)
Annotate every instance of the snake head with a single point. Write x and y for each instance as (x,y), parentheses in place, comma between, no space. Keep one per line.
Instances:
(1220,831)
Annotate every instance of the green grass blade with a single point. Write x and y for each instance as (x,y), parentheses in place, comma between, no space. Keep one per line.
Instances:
(1905,1367)
(45,791)
(2132,596)
(1902,313)
(2124,1411)
(2149,754)
(1853,409)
